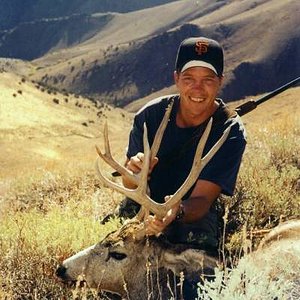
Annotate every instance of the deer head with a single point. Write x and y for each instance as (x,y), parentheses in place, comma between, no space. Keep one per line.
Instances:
(135,268)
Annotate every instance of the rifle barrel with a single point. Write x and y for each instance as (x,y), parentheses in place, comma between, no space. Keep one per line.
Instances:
(252,104)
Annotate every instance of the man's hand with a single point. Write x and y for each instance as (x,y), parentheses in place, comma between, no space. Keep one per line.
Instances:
(135,163)
(155,225)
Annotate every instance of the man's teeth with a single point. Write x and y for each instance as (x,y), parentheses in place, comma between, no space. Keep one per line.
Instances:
(197,99)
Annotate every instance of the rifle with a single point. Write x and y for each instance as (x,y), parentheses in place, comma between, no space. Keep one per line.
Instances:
(252,104)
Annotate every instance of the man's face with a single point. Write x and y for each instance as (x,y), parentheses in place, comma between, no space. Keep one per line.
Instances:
(198,88)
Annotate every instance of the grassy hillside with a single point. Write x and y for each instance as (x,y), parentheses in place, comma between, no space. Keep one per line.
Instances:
(51,201)
(41,129)
(268,186)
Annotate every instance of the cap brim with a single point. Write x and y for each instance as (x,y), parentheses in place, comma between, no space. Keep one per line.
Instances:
(199,63)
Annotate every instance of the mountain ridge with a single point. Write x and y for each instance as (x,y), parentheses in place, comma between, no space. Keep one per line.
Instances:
(128,57)
(14,12)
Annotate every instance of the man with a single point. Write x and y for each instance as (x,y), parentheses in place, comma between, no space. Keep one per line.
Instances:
(198,76)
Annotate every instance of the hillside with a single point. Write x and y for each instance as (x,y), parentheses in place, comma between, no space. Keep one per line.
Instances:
(122,57)
(133,57)
(41,130)
(119,58)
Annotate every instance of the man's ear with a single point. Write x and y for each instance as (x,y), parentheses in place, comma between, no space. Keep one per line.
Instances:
(176,77)
(221,80)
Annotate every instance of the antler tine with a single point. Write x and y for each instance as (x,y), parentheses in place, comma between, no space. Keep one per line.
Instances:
(143,183)
(141,198)
(123,190)
(160,132)
(107,157)
(216,147)
(198,164)
(153,152)
(139,194)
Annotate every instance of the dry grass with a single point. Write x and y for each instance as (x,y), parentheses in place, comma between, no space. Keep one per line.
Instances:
(45,222)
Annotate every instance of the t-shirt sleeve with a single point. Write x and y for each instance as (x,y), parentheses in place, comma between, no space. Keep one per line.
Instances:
(135,143)
(223,168)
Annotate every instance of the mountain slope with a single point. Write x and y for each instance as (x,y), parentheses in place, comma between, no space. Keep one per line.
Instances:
(131,55)
(50,35)
(14,12)
(41,129)
(60,33)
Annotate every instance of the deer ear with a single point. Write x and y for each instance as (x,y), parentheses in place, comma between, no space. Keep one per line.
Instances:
(190,260)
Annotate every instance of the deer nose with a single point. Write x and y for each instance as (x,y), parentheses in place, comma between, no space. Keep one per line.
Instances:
(61,271)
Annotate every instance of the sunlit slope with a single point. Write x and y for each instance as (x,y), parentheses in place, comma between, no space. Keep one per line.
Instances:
(41,129)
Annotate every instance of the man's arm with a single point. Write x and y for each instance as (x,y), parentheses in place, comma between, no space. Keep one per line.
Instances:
(200,201)
(194,208)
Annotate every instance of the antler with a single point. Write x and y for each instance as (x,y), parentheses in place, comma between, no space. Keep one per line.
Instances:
(139,194)
(107,157)
(197,166)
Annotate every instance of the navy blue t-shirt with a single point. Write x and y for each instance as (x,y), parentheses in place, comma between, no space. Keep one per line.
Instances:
(176,155)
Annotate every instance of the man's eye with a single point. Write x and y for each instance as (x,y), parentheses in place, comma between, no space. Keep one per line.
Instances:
(117,255)
(187,79)
(209,80)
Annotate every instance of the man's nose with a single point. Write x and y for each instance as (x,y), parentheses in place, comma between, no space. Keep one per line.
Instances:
(198,84)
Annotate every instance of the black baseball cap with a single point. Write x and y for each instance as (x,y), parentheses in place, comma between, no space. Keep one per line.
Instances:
(200,52)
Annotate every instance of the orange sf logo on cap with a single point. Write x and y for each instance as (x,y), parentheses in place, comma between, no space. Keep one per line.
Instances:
(201,47)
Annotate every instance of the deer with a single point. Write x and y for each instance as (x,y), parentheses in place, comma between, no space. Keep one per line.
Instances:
(129,263)
(144,268)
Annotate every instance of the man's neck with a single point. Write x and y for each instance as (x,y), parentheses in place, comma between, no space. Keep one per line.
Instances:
(188,119)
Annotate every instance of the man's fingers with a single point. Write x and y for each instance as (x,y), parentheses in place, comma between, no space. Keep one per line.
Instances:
(133,166)
(153,163)
(135,163)
(154,225)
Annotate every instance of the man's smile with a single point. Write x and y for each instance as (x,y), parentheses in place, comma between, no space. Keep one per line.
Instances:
(197,99)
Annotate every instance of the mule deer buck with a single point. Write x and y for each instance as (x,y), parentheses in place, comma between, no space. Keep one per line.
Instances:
(129,263)
(145,268)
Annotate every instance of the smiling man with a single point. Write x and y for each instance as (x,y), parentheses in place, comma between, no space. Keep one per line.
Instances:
(198,219)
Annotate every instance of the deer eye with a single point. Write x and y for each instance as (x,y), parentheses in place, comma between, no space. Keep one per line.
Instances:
(117,255)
